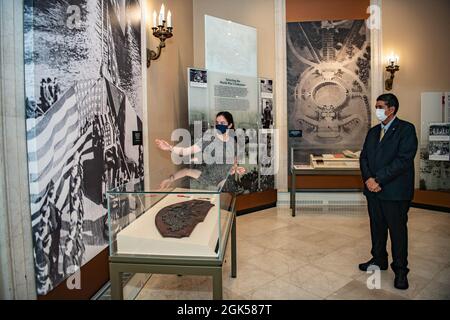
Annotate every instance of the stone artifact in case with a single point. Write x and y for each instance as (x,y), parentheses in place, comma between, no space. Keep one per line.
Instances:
(178,220)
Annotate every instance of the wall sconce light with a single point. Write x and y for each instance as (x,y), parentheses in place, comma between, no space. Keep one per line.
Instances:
(392,67)
(161,32)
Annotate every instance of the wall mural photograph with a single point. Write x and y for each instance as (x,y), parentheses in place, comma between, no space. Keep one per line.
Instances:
(328,74)
(83,100)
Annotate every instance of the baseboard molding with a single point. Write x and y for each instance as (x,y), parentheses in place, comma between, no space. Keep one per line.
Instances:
(258,208)
(432,200)
(430,207)
(255,201)
(311,199)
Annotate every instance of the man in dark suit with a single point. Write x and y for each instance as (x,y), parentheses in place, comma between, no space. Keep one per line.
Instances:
(387,168)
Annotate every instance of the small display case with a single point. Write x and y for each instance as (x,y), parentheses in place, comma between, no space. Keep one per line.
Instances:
(334,166)
(184,227)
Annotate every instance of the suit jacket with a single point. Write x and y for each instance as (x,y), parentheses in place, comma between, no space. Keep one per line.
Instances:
(391,160)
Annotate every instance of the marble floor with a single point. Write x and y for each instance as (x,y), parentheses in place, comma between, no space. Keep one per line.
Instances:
(315,256)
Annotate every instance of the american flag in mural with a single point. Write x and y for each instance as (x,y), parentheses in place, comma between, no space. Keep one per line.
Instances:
(83,102)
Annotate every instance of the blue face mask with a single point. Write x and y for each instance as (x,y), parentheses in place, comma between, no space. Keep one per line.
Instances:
(222,128)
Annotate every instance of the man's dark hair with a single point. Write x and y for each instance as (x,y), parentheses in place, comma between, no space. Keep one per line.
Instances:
(390,100)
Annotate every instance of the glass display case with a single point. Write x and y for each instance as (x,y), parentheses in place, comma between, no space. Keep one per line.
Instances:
(345,160)
(333,166)
(181,229)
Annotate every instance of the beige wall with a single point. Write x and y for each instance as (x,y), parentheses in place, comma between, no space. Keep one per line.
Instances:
(167,104)
(418,32)
(411,29)
(255,13)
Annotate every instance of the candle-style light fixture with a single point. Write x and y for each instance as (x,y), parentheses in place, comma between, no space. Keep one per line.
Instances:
(392,68)
(160,31)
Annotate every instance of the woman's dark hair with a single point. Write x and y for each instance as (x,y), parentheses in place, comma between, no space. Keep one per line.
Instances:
(390,100)
(228,116)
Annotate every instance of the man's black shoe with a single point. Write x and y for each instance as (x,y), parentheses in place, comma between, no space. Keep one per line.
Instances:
(371,262)
(401,280)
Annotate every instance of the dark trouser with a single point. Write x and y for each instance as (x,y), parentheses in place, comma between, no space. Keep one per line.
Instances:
(393,216)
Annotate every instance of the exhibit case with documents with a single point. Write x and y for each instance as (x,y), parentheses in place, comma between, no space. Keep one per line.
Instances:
(334,161)
(180,229)
(333,172)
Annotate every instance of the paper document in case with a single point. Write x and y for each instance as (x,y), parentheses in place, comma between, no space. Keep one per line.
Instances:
(351,154)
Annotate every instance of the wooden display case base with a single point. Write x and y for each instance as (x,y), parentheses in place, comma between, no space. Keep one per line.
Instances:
(432,200)
(247,203)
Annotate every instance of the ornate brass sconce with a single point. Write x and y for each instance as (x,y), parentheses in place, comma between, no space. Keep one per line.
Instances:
(392,68)
(161,32)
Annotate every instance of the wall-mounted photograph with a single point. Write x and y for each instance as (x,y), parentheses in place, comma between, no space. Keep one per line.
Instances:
(266,88)
(439,132)
(198,78)
(267,113)
(439,150)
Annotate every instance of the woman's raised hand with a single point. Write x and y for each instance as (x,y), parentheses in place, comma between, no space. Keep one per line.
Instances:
(236,169)
(163,145)
(165,184)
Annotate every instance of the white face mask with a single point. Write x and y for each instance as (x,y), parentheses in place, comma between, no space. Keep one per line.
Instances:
(381,115)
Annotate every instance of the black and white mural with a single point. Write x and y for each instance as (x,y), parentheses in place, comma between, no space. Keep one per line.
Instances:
(328,74)
(83,101)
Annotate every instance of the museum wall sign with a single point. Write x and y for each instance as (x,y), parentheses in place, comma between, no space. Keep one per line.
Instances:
(230,83)
(83,101)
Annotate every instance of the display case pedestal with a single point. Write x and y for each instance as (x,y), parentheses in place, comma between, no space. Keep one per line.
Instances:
(200,266)
(303,171)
